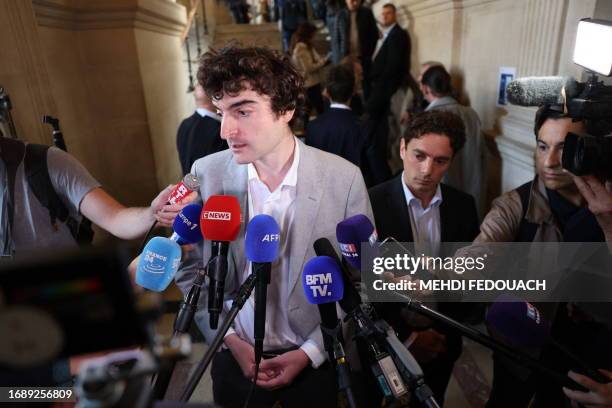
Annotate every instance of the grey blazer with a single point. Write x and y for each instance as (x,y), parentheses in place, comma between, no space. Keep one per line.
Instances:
(329,189)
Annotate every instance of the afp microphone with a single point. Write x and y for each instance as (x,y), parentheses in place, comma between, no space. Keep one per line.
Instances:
(186,225)
(220,224)
(261,244)
(536,91)
(158,264)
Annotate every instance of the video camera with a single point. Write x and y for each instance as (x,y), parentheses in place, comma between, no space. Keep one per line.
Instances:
(591,100)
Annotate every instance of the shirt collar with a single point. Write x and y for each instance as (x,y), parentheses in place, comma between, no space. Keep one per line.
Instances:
(385,31)
(205,112)
(435,201)
(339,106)
(291,176)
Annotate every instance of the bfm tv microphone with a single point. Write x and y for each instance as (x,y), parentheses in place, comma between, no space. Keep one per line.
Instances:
(323,286)
(186,225)
(220,224)
(520,324)
(158,264)
(184,188)
(261,244)
(382,365)
(536,91)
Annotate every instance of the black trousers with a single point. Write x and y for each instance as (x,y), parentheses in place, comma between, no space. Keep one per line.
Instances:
(311,388)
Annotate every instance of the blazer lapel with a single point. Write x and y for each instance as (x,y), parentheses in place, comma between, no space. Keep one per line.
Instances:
(402,229)
(307,203)
(446,219)
(235,183)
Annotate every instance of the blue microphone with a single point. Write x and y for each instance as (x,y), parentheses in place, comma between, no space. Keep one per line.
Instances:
(322,281)
(186,225)
(158,264)
(262,242)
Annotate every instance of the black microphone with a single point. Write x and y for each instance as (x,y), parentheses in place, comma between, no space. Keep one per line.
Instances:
(381,363)
(536,91)
(220,224)
(261,246)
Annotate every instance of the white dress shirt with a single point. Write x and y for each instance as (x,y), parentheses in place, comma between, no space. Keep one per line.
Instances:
(425,222)
(280,205)
(383,36)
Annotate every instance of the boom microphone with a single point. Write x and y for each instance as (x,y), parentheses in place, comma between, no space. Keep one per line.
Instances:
(186,225)
(158,264)
(536,91)
(220,224)
(261,244)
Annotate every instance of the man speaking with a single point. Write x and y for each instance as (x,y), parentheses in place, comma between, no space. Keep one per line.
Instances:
(258,93)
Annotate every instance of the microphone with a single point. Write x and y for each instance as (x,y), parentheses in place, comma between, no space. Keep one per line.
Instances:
(261,244)
(220,224)
(520,324)
(158,264)
(184,188)
(323,286)
(350,233)
(186,225)
(382,365)
(536,91)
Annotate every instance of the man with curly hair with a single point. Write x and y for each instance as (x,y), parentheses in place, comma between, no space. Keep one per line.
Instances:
(258,93)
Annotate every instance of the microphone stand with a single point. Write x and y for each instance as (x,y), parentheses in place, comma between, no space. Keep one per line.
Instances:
(492,344)
(243,295)
(336,354)
(182,324)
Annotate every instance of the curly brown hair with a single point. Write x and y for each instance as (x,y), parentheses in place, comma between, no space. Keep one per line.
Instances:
(438,122)
(234,68)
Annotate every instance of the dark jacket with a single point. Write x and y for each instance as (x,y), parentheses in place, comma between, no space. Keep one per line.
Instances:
(388,70)
(198,136)
(458,223)
(337,131)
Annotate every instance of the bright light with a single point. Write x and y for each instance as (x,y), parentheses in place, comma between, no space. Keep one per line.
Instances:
(594,46)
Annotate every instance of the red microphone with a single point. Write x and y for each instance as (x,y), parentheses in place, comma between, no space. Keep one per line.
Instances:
(183,188)
(220,224)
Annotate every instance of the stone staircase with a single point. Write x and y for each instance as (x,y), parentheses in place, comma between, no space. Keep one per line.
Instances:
(248,34)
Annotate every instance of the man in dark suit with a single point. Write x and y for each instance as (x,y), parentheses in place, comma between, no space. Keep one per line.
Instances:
(415,207)
(390,66)
(199,134)
(338,130)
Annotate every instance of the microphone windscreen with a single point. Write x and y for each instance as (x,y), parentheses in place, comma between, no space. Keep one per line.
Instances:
(322,280)
(187,224)
(518,322)
(351,298)
(220,219)
(191,182)
(158,264)
(262,239)
(350,233)
(536,91)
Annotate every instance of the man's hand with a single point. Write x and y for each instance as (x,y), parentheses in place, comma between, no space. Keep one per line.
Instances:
(165,214)
(427,345)
(283,369)
(599,395)
(244,354)
(599,199)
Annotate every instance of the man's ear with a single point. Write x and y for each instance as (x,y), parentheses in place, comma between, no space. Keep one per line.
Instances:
(287,116)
